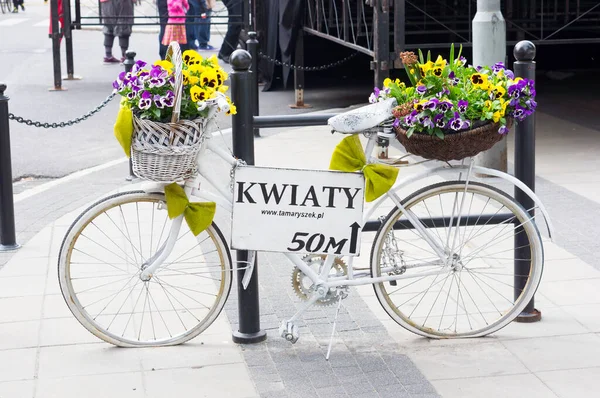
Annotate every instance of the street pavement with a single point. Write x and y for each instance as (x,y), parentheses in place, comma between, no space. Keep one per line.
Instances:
(46,353)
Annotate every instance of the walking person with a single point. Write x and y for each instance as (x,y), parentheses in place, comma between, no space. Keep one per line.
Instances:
(16,4)
(203,35)
(117,17)
(175,29)
(234,27)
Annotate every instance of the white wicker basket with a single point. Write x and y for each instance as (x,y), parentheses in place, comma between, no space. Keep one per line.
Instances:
(167,152)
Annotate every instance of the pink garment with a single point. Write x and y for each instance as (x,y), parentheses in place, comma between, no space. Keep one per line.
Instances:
(177,10)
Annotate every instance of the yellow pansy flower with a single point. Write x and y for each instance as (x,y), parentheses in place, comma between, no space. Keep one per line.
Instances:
(191,57)
(186,77)
(438,70)
(504,105)
(200,94)
(488,104)
(168,66)
(496,92)
(419,105)
(387,82)
(221,76)
(424,68)
(197,68)
(213,60)
(496,116)
(223,89)
(440,62)
(209,78)
(479,80)
(232,109)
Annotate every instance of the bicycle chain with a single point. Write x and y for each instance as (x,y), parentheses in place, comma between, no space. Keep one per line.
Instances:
(71,122)
(307,68)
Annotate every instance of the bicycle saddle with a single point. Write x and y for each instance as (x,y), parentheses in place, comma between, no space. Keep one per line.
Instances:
(363,118)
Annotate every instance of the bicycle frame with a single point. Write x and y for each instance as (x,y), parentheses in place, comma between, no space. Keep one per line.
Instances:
(225,200)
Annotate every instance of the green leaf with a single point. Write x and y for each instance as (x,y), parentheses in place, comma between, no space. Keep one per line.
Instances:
(410,132)
(428,55)
(452,56)
(156,113)
(459,52)
(421,59)
(438,133)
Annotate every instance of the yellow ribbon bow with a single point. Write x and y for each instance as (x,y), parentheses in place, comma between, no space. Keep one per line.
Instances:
(124,128)
(350,156)
(197,215)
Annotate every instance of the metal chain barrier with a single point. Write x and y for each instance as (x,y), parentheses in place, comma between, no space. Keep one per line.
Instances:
(307,68)
(46,125)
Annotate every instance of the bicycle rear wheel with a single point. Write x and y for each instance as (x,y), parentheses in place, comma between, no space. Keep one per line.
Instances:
(472,293)
(100,264)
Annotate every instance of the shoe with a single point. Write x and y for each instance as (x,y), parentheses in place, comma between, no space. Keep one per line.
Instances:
(22,7)
(111,60)
(223,58)
(208,47)
(15,11)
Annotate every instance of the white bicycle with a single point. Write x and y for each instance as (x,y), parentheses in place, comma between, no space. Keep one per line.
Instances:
(441,264)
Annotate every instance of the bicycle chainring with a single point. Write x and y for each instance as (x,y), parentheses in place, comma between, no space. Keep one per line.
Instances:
(303,286)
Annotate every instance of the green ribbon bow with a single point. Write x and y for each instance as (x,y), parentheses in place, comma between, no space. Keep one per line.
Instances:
(197,215)
(124,127)
(350,156)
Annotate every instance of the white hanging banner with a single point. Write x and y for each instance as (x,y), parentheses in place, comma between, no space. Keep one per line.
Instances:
(298,211)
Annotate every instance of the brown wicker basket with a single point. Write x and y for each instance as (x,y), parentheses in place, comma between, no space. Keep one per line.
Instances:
(454,146)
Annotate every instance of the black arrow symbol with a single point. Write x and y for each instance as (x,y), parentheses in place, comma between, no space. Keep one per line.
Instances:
(354,237)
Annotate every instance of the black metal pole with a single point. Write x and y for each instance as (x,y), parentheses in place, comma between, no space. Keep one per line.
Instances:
(128,65)
(299,73)
(68,34)
(8,239)
(524,67)
(243,148)
(252,45)
(55,36)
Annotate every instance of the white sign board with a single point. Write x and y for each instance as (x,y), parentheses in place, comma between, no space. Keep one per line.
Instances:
(298,211)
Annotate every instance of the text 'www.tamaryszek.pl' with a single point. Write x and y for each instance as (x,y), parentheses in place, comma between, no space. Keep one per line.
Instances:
(295,214)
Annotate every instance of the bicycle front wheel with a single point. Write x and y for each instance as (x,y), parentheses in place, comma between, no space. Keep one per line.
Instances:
(472,291)
(99,269)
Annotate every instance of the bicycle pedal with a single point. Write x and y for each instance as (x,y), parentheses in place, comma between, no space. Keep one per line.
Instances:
(289,331)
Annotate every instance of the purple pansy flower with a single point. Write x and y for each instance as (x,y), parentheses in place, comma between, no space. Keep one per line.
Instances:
(431,104)
(456,123)
(421,89)
(442,93)
(146,100)
(445,105)
(158,101)
(131,95)
(438,120)
(509,73)
(156,81)
(169,99)
(137,66)
(462,106)
(411,119)
(498,66)
(426,121)
(503,130)
(396,123)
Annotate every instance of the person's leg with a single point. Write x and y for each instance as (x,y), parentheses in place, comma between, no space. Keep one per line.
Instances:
(163,13)
(191,29)
(109,39)
(234,27)
(204,27)
(124,44)
(15,6)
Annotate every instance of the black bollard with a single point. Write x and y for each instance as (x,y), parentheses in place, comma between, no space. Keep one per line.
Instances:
(128,65)
(55,36)
(524,67)
(252,45)
(243,148)
(8,239)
